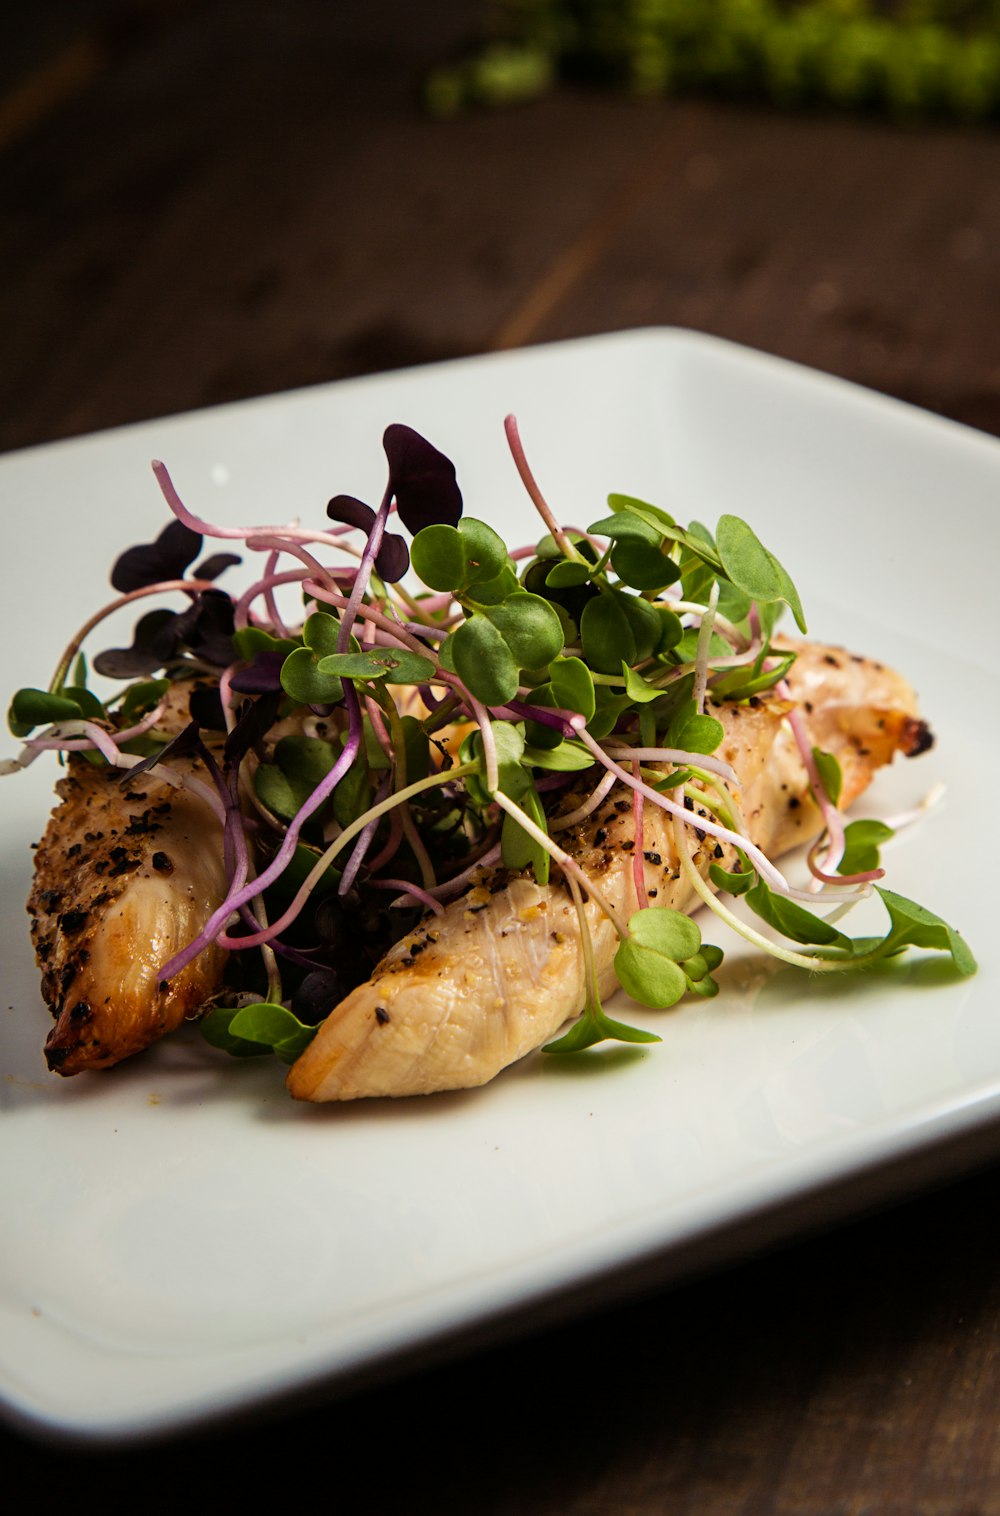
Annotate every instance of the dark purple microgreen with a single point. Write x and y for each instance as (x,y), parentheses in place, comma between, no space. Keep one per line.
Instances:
(206,627)
(350,511)
(211,568)
(393,558)
(152,647)
(186,744)
(317,994)
(166,558)
(254,720)
(205,705)
(262,674)
(421,479)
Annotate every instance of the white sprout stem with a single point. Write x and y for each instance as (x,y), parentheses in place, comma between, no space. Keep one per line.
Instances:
(559,823)
(693,608)
(742,928)
(704,644)
(933,798)
(761,862)
(678,758)
(587,944)
(568,865)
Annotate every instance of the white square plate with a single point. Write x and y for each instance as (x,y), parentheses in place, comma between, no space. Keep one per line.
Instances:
(181,1239)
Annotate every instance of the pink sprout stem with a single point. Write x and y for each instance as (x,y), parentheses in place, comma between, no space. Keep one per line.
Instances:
(537,498)
(409,892)
(638,861)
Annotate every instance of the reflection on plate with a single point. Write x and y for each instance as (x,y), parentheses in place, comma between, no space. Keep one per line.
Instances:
(182,1240)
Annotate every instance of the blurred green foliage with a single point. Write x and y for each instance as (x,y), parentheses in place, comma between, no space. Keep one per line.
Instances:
(913,59)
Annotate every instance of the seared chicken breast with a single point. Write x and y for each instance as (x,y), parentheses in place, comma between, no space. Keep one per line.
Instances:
(495,976)
(128,872)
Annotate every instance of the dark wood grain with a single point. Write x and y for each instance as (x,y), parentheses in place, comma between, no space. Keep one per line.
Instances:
(242,198)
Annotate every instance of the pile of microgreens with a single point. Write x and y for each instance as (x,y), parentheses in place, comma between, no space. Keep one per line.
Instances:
(592,659)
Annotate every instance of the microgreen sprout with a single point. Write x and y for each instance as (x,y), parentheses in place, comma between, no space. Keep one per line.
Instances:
(400,743)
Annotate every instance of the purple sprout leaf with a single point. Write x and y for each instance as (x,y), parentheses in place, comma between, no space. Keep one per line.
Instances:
(149,562)
(211,568)
(393,555)
(393,558)
(351,512)
(422,480)
(186,744)
(254,721)
(152,647)
(263,674)
(206,627)
(205,705)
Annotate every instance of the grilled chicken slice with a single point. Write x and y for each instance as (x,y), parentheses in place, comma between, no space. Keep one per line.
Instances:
(469,992)
(126,875)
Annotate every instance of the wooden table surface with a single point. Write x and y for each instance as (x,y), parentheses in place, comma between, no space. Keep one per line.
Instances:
(203,200)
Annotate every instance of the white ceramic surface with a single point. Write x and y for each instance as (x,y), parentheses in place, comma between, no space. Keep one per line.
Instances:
(179,1238)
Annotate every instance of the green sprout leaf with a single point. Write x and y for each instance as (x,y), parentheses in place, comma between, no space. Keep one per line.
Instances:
(530,628)
(30,708)
(649,963)
(485,552)
(572,686)
(730,882)
(830,773)
(913,924)
(302,679)
(862,840)
(753,569)
(483,661)
(394,665)
(438,556)
(596,1026)
(792,919)
(519,849)
(143,697)
(256,1029)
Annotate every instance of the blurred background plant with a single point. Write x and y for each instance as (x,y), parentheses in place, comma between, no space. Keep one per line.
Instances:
(908,58)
